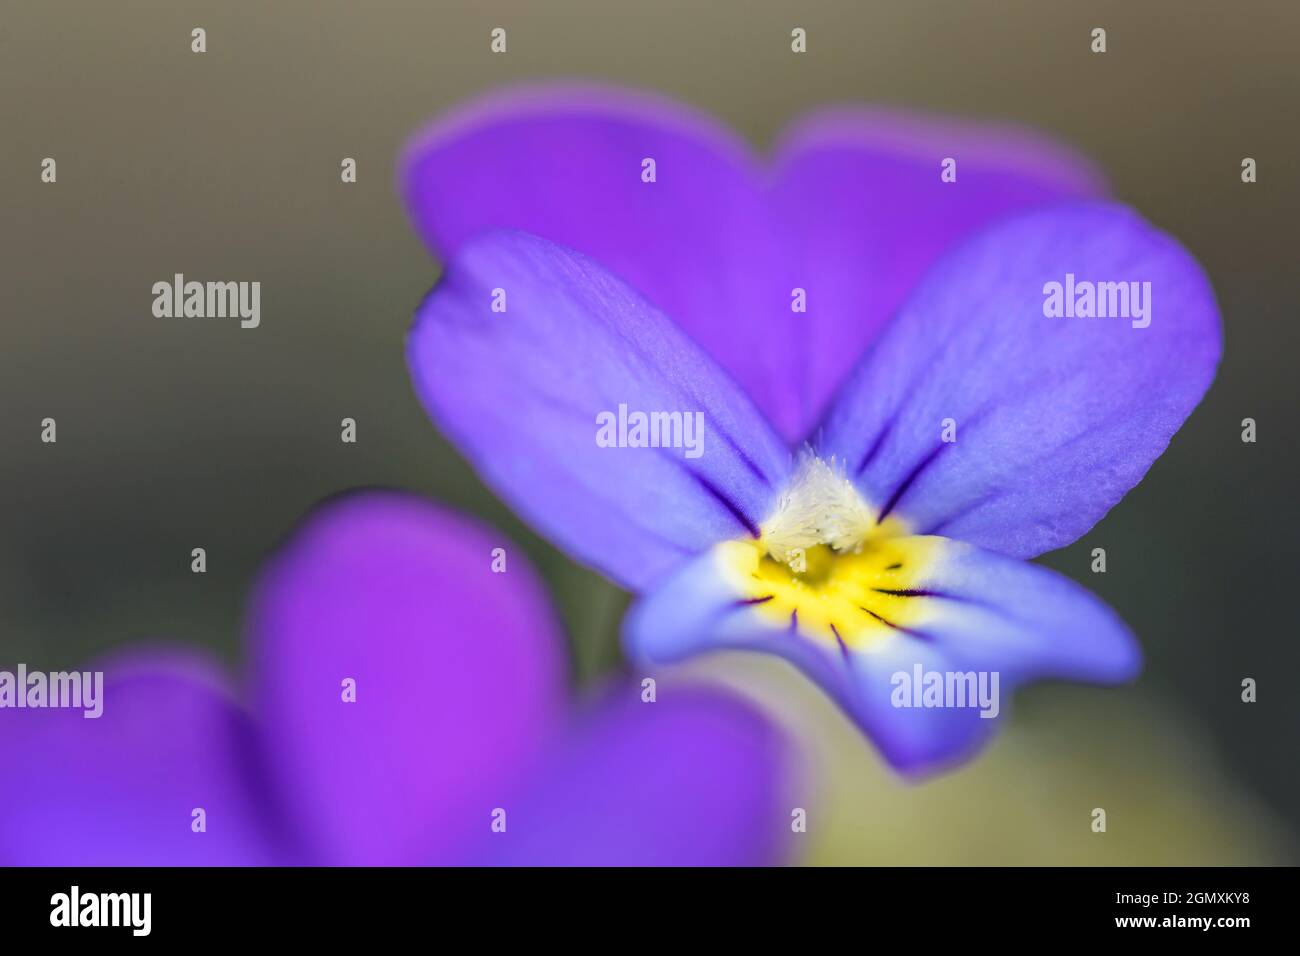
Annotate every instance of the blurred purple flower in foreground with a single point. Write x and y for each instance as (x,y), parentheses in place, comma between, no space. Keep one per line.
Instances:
(460,709)
(894,413)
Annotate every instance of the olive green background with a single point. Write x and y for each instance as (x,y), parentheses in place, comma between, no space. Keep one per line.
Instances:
(177,434)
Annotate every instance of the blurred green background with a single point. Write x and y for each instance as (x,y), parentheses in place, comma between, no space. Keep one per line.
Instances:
(174,434)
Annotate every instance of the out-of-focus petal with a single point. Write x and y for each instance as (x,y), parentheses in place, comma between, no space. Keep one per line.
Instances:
(457,672)
(692,779)
(1055,418)
(122,789)
(865,212)
(523,394)
(953,609)
(566,163)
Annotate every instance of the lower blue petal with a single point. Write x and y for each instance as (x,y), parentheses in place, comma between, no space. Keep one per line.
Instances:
(970,616)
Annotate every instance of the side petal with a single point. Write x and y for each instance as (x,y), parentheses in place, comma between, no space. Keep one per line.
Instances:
(568,163)
(866,209)
(955,611)
(977,416)
(397,674)
(122,789)
(693,779)
(536,395)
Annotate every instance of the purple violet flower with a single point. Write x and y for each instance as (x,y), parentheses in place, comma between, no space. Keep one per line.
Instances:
(459,713)
(922,351)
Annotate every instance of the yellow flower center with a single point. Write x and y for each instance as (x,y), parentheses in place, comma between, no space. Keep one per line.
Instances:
(822,564)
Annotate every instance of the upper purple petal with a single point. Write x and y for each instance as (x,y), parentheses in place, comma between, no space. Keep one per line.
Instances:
(1054,418)
(565,163)
(521,392)
(865,212)
(122,789)
(694,778)
(853,213)
(458,671)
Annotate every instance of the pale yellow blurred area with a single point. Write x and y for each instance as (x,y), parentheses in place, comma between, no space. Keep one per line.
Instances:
(1028,799)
